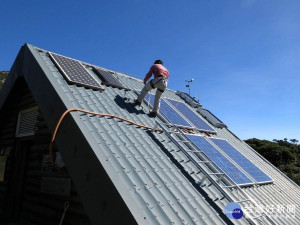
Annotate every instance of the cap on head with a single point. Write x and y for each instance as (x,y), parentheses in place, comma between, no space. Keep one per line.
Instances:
(158,61)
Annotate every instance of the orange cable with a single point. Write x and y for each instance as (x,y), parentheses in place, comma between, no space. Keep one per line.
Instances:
(93,113)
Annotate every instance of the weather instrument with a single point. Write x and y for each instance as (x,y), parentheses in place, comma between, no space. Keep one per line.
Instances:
(188,81)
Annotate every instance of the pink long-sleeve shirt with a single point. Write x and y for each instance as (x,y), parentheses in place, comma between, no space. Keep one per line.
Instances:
(157,70)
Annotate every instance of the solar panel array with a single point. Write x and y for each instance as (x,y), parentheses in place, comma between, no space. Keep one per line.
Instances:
(218,158)
(241,160)
(75,72)
(108,78)
(190,115)
(168,112)
(213,153)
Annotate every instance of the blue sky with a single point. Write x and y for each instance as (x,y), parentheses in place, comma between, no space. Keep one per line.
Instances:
(243,54)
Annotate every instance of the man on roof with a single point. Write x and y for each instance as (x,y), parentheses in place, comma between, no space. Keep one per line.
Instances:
(160,81)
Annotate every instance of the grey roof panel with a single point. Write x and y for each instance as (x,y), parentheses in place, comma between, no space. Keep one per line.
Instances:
(148,158)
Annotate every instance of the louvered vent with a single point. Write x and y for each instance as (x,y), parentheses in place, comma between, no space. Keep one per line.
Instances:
(26,122)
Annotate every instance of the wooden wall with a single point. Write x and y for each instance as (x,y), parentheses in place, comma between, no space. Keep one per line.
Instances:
(26,196)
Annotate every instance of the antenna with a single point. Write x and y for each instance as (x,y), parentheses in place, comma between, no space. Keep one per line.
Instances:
(188,81)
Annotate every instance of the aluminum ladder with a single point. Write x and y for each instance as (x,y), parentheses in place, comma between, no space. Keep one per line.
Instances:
(209,169)
(212,172)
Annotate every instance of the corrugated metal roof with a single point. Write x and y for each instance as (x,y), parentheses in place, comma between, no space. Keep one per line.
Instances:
(161,190)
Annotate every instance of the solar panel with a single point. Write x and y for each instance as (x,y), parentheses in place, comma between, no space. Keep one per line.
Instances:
(168,112)
(75,72)
(190,115)
(241,160)
(218,158)
(172,115)
(107,78)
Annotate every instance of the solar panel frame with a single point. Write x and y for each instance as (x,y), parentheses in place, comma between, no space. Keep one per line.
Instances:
(74,72)
(220,160)
(191,116)
(150,99)
(107,78)
(168,113)
(257,174)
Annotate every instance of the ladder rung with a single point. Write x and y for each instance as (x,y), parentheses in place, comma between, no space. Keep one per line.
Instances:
(195,151)
(220,178)
(202,180)
(245,200)
(203,161)
(216,173)
(183,141)
(191,151)
(230,186)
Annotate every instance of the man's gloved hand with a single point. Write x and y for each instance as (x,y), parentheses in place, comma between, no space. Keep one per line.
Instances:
(144,82)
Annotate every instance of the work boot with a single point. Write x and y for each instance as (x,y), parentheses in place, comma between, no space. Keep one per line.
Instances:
(153,114)
(137,102)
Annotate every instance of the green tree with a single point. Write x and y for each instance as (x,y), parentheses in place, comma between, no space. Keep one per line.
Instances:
(294,141)
(281,153)
(3,75)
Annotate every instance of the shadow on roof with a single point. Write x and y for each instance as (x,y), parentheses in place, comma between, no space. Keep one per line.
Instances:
(124,103)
